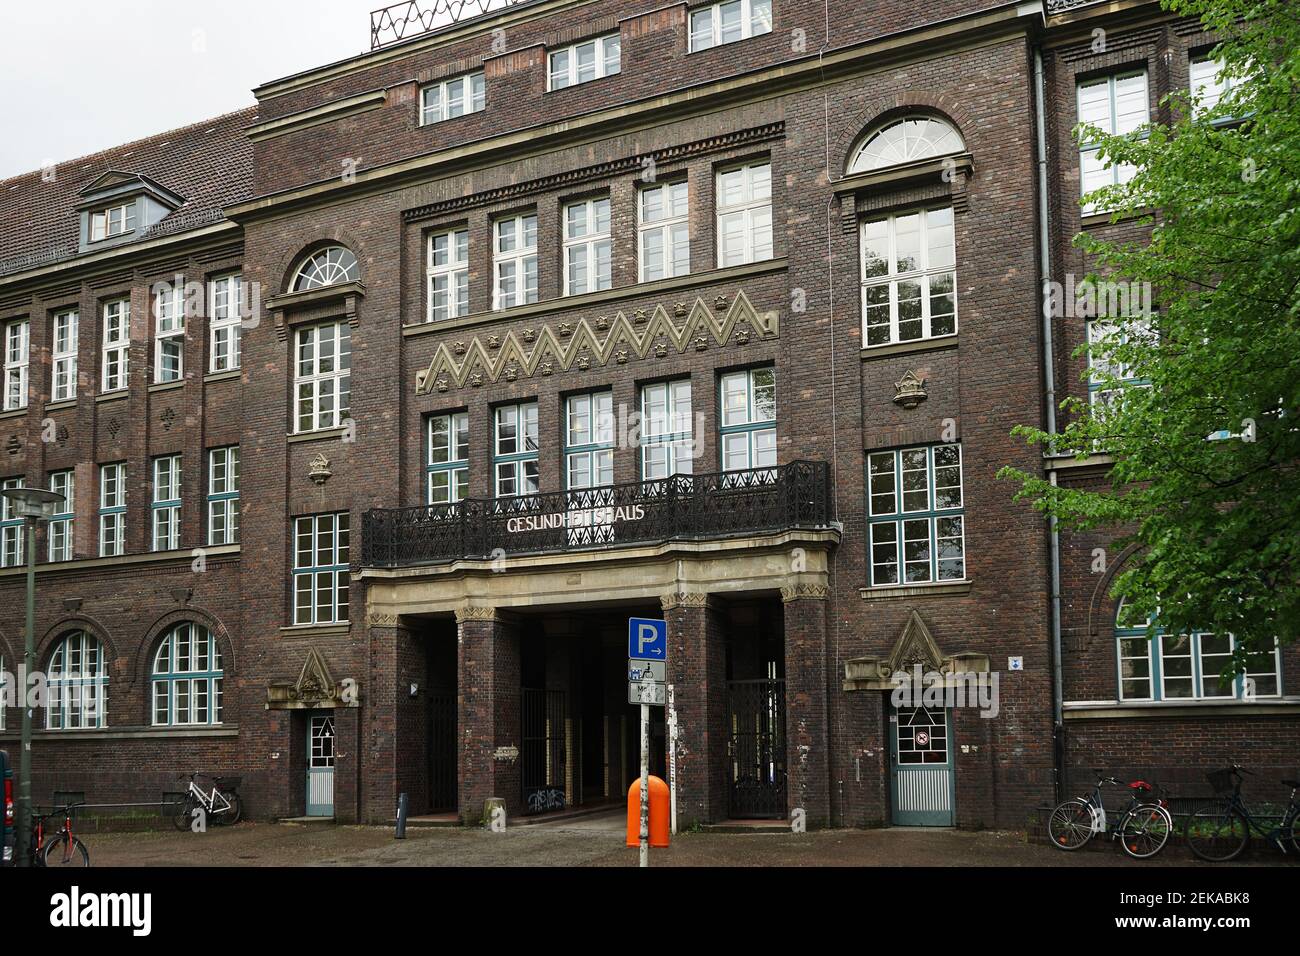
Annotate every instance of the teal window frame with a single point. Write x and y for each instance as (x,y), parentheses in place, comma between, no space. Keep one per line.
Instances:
(673,441)
(453,471)
(752,426)
(12,531)
(77,675)
(599,446)
(171,506)
(179,680)
(899,516)
(223,495)
(517,460)
(112,510)
(59,529)
(330,577)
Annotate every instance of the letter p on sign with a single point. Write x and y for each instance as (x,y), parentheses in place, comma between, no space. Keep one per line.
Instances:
(647,639)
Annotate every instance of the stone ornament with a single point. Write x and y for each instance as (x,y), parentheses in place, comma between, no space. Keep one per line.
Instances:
(314,688)
(319,469)
(909,391)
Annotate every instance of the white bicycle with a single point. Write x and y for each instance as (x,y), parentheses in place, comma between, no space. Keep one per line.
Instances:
(220,805)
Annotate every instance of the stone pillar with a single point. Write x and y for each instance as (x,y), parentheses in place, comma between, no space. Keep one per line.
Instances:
(697,671)
(488,711)
(807,736)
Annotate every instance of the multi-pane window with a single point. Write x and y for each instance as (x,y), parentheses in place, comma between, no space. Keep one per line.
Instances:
(452,98)
(117,336)
(17,348)
(448,467)
(663,231)
(113,221)
(320,568)
(515,450)
(166,503)
(223,495)
(59,528)
(77,684)
(729,22)
(585,61)
(187,678)
(744,214)
(63,383)
(112,510)
(909,289)
(330,266)
(1115,105)
(169,334)
(514,261)
(748,402)
(667,444)
(1209,82)
(588,248)
(224,326)
(589,440)
(1108,377)
(323,377)
(915,515)
(448,271)
(12,528)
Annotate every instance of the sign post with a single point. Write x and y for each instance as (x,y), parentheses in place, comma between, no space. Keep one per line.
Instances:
(672,758)
(647,655)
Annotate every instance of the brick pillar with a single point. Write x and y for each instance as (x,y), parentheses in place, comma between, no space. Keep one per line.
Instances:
(488,702)
(807,737)
(697,671)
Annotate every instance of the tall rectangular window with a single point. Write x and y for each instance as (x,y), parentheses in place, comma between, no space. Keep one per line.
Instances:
(63,384)
(169,334)
(586,61)
(448,467)
(1108,377)
(744,200)
(59,528)
(113,221)
(1115,105)
(748,403)
(323,377)
(663,231)
(588,248)
(112,510)
(589,440)
(514,261)
(117,338)
(17,347)
(915,515)
(223,495)
(452,98)
(12,529)
(729,22)
(515,450)
(448,272)
(167,503)
(667,444)
(909,282)
(227,294)
(320,568)
(1209,83)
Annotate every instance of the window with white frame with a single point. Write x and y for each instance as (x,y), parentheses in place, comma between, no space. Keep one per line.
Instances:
(514,261)
(744,205)
(320,568)
(169,334)
(112,510)
(667,442)
(906,140)
(448,464)
(1209,82)
(166,506)
(224,327)
(112,221)
(1109,378)
(187,678)
(909,282)
(585,61)
(1116,105)
(223,495)
(451,98)
(589,440)
(448,272)
(915,515)
(323,376)
(17,349)
(77,684)
(59,527)
(12,528)
(748,430)
(588,248)
(729,22)
(117,339)
(663,231)
(515,450)
(63,383)
(329,266)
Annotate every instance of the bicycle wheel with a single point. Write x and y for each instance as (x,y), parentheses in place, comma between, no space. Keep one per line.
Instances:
(59,852)
(1145,830)
(1291,832)
(1217,833)
(232,815)
(184,816)
(1070,825)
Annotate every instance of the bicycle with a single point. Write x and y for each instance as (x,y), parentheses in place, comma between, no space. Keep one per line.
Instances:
(222,805)
(70,850)
(1143,829)
(1220,832)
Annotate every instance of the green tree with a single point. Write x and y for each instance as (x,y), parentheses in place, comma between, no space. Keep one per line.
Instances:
(1216,521)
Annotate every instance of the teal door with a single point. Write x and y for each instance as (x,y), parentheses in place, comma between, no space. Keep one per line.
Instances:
(320,766)
(921,767)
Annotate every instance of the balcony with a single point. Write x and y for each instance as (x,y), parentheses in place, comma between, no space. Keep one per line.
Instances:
(401,21)
(681,508)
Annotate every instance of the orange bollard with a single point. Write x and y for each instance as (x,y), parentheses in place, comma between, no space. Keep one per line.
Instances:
(659,813)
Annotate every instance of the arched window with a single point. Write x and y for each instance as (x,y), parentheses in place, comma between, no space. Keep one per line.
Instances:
(78,684)
(905,141)
(329,266)
(187,677)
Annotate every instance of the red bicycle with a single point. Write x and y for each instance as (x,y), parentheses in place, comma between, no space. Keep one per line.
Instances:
(63,849)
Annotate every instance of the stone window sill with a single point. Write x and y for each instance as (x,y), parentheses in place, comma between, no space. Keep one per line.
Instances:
(941,589)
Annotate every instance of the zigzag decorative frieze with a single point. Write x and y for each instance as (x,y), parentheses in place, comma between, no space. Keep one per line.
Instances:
(487,359)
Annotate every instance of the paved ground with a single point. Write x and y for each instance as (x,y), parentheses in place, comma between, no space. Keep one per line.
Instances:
(591,841)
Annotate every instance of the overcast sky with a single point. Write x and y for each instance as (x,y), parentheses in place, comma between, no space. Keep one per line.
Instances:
(78,76)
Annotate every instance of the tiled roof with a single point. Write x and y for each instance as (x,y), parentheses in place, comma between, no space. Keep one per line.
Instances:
(209,163)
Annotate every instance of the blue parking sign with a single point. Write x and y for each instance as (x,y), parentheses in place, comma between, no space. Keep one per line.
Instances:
(647,639)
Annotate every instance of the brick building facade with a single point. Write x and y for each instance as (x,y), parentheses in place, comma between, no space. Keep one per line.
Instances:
(575,311)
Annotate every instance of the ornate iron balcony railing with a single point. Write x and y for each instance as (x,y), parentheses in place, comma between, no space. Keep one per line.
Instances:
(403,20)
(684,507)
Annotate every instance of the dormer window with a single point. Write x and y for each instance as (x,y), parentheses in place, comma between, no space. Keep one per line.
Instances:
(113,221)
(120,206)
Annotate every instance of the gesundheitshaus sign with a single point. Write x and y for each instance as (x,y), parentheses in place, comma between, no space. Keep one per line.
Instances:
(581,518)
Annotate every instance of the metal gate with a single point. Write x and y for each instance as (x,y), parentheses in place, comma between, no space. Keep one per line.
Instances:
(442,753)
(543,757)
(921,769)
(756,748)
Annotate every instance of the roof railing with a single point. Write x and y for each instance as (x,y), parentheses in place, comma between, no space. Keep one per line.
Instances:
(401,21)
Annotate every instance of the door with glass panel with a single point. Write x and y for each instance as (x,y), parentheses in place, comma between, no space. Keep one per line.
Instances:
(921,767)
(320,766)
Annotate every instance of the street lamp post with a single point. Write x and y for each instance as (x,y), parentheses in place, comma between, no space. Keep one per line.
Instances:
(33,505)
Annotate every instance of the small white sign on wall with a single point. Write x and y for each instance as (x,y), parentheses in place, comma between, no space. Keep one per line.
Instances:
(1015,663)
